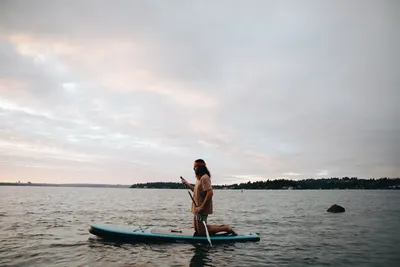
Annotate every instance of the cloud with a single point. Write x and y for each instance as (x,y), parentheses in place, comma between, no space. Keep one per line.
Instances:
(259,90)
(290,174)
(323,173)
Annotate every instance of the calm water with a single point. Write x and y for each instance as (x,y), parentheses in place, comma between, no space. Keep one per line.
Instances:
(47,226)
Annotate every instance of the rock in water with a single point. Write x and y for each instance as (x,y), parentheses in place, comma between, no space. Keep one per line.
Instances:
(336,208)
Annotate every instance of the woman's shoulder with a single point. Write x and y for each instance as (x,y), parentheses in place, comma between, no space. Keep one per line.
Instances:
(205,176)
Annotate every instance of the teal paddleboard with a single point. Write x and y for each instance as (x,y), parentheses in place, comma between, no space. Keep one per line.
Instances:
(143,234)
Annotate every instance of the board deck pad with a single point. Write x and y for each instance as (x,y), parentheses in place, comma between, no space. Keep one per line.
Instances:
(167,231)
(163,234)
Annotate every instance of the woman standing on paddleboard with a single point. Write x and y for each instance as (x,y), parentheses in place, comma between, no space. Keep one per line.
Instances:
(203,203)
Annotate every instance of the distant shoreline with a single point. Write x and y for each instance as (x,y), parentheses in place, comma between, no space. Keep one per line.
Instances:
(65,185)
(344,183)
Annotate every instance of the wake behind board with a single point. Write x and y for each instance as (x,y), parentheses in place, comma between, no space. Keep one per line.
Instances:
(162,234)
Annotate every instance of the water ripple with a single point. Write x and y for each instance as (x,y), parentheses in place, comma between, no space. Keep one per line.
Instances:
(48,227)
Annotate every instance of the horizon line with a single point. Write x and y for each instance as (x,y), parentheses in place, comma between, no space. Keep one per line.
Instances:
(40,183)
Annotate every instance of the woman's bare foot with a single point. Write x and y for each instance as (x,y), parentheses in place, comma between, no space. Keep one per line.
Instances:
(231,231)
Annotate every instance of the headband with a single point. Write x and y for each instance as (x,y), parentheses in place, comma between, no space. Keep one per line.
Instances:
(199,163)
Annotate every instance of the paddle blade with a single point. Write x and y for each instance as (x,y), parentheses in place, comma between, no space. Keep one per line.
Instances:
(208,235)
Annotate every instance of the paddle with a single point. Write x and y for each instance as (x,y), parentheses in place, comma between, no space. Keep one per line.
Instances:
(205,225)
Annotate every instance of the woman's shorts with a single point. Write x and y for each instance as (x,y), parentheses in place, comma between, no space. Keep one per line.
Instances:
(200,217)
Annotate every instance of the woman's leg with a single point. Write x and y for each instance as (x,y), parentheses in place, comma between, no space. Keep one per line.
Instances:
(213,229)
(198,226)
(201,230)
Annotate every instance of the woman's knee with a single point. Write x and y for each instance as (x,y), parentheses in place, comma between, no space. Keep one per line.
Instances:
(200,229)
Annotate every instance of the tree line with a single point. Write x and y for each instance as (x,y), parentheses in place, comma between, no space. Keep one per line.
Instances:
(325,183)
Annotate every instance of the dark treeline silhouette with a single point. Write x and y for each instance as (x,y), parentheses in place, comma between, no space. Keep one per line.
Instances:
(325,183)
(169,185)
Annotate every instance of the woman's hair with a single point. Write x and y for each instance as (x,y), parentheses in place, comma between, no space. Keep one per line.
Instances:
(201,168)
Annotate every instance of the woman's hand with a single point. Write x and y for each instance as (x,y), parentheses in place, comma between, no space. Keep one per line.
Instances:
(199,209)
(185,182)
(188,186)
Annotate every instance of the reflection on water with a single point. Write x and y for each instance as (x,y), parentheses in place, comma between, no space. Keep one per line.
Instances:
(204,255)
(200,256)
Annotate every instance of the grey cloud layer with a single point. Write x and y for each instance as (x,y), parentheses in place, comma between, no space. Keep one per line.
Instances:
(292,87)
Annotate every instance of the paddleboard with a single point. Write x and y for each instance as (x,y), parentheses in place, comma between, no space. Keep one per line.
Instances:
(163,234)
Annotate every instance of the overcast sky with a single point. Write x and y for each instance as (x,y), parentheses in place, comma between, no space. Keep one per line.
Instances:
(135,91)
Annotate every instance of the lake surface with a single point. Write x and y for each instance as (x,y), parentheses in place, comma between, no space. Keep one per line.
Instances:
(48,226)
